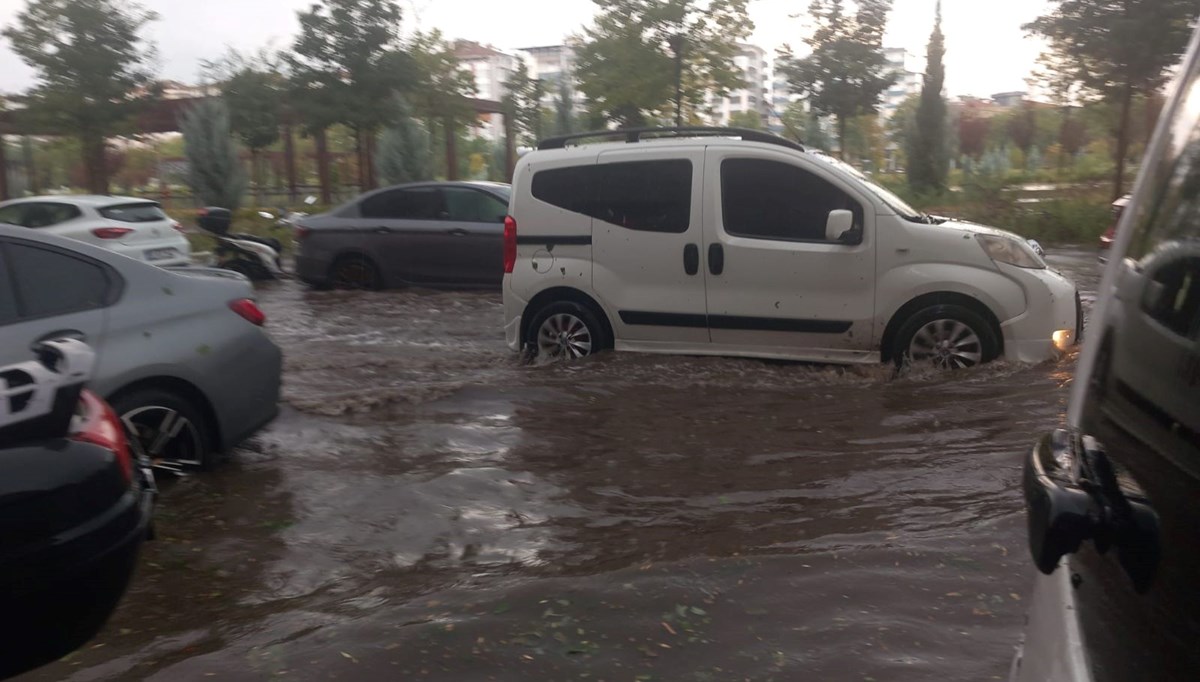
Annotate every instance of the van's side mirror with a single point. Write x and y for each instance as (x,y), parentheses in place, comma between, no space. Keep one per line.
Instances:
(839,225)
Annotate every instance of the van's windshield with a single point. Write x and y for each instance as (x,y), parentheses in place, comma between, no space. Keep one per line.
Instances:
(892,201)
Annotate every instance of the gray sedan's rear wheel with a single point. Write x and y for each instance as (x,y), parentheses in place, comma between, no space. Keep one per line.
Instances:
(170,431)
(355,272)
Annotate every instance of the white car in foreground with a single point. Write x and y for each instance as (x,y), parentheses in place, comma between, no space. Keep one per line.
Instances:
(690,241)
(132,227)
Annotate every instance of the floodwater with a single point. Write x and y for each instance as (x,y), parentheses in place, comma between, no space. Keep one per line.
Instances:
(426,507)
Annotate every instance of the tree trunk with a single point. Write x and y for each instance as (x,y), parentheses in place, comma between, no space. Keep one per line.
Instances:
(1123,142)
(256,173)
(369,158)
(323,167)
(4,196)
(841,133)
(31,177)
(289,160)
(95,172)
(510,150)
(451,149)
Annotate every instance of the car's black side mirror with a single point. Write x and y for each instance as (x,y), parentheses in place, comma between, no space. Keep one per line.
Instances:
(1073,495)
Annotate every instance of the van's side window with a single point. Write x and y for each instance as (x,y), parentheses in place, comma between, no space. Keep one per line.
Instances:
(649,196)
(773,200)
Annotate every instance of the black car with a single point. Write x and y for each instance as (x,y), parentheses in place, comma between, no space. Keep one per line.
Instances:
(1114,499)
(75,506)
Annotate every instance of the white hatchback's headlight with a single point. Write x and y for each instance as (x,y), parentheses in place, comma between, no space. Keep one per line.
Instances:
(1010,251)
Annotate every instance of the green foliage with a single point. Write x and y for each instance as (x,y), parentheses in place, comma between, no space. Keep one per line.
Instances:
(846,72)
(746,119)
(523,101)
(253,93)
(626,63)
(215,174)
(927,156)
(93,71)
(564,109)
(404,152)
(440,83)
(1113,50)
(347,61)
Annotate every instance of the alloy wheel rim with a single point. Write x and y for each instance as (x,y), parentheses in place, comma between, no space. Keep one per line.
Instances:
(948,344)
(564,336)
(169,439)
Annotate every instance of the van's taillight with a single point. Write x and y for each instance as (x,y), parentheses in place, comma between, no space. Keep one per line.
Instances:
(101,426)
(510,244)
(111,232)
(249,310)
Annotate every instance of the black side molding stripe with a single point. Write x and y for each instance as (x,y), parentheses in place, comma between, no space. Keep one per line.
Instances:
(552,240)
(770,324)
(663,319)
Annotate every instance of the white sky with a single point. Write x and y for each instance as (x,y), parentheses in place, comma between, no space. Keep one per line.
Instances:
(986,49)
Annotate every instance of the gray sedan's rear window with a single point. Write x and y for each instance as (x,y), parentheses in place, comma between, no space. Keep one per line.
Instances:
(134,213)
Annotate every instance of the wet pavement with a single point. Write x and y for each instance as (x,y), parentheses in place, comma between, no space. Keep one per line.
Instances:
(426,507)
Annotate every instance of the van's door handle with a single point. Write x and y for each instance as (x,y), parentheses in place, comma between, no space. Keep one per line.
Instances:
(716,259)
(691,259)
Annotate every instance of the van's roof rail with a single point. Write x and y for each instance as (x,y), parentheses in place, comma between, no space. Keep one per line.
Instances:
(638,134)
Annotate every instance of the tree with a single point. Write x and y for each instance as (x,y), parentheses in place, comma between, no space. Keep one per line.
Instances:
(564,109)
(972,134)
(346,64)
(927,157)
(648,58)
(523,101)
(215,174)
(404,151)
(93,70)
(439,91)
(253,90)
(1022,127)
(846,72)
(1115,50)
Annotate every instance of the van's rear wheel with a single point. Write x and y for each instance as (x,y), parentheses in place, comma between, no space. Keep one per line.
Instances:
(948,336)
(566,331)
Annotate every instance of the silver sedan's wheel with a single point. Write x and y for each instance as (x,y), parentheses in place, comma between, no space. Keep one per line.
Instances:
(564,336)
(169,438)
(948,344)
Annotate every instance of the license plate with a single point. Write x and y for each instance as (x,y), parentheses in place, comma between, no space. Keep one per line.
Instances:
(160,254)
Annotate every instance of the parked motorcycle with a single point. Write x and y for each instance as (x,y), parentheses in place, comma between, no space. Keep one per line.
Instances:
(258,258)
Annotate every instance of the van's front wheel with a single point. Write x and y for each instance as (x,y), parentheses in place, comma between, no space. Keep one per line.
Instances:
(566,331)
(948,336)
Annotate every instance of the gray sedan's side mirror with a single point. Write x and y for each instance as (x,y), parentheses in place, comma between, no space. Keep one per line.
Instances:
(839,223)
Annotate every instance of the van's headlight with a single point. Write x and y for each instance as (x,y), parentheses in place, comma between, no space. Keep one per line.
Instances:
(1010,251)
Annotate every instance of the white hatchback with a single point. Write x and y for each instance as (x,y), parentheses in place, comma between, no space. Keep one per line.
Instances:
(131,227)
(696,242)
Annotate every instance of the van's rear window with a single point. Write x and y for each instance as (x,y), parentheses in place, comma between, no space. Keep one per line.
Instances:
(134,213)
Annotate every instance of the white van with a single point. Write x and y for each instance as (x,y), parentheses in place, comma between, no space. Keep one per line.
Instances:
(713,241)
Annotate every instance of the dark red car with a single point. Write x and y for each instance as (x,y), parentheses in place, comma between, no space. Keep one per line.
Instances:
(1106,239)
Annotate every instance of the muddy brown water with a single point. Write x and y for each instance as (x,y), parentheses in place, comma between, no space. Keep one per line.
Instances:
(428,508)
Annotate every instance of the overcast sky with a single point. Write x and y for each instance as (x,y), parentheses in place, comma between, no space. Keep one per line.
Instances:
(986,49)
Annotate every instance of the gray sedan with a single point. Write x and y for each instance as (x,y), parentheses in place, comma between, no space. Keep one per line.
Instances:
(429,233)
(181,354)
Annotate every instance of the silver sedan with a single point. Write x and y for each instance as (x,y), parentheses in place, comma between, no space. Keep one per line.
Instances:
(181,353)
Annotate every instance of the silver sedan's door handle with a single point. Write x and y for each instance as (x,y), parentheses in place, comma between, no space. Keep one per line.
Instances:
(458,232)
(382,229)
